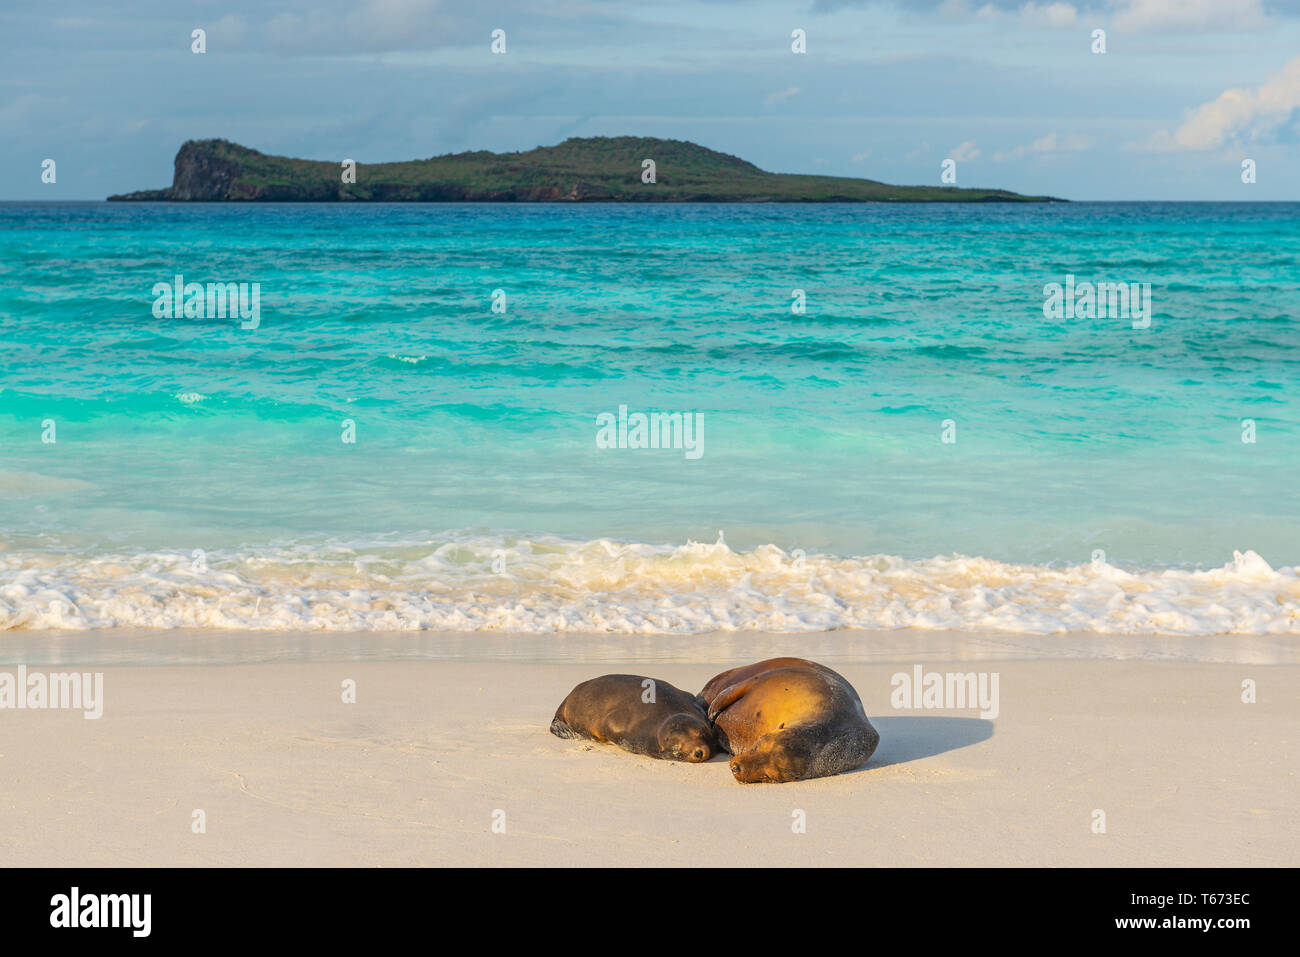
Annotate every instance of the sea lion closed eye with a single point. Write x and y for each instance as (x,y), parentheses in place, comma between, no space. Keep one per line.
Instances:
(788,719)
(639,714)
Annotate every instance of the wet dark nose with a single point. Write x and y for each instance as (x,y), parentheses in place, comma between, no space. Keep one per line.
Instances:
(699,753)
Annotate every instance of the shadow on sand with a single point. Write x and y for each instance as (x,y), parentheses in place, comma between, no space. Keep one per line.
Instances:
(906,738)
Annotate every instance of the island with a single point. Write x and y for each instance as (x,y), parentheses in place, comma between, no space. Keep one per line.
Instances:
(590,169)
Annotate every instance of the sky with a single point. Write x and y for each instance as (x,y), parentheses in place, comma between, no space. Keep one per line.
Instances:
(1012,91)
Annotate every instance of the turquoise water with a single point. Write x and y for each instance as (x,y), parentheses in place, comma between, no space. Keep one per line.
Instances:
(198,474)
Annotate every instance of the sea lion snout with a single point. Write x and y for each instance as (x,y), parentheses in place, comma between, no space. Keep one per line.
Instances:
(695,755)
(688,738)
(638,714)
(788,719)
(775,759)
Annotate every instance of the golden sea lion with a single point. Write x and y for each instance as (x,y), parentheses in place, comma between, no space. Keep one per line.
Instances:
(641,715)
(787,719)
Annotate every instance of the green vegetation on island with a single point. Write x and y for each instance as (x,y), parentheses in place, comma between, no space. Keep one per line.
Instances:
(594,169)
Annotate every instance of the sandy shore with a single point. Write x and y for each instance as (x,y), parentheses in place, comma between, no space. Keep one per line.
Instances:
(286,773)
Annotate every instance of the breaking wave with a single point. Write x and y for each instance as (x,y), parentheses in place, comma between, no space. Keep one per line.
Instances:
(503,583)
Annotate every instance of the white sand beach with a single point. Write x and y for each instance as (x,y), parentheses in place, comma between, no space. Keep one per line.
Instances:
(285,773)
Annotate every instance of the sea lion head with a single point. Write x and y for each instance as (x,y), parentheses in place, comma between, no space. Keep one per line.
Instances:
(687,737)
(774,758)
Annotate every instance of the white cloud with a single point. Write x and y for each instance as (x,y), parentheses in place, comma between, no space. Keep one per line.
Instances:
(1049,14)
(781,95)
(370,25)
(859,157)
(1234,115)
(1128,16)
(1051,143)
(1144,16)
(965,152)
(1054,13)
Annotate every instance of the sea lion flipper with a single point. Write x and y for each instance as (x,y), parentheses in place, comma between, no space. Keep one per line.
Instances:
(788,719)
(728,696)
(716,684)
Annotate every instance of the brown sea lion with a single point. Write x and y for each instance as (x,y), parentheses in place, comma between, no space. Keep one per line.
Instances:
(642,715)
(787,719)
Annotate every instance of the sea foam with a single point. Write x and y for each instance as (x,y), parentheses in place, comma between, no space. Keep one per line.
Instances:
(468,583)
